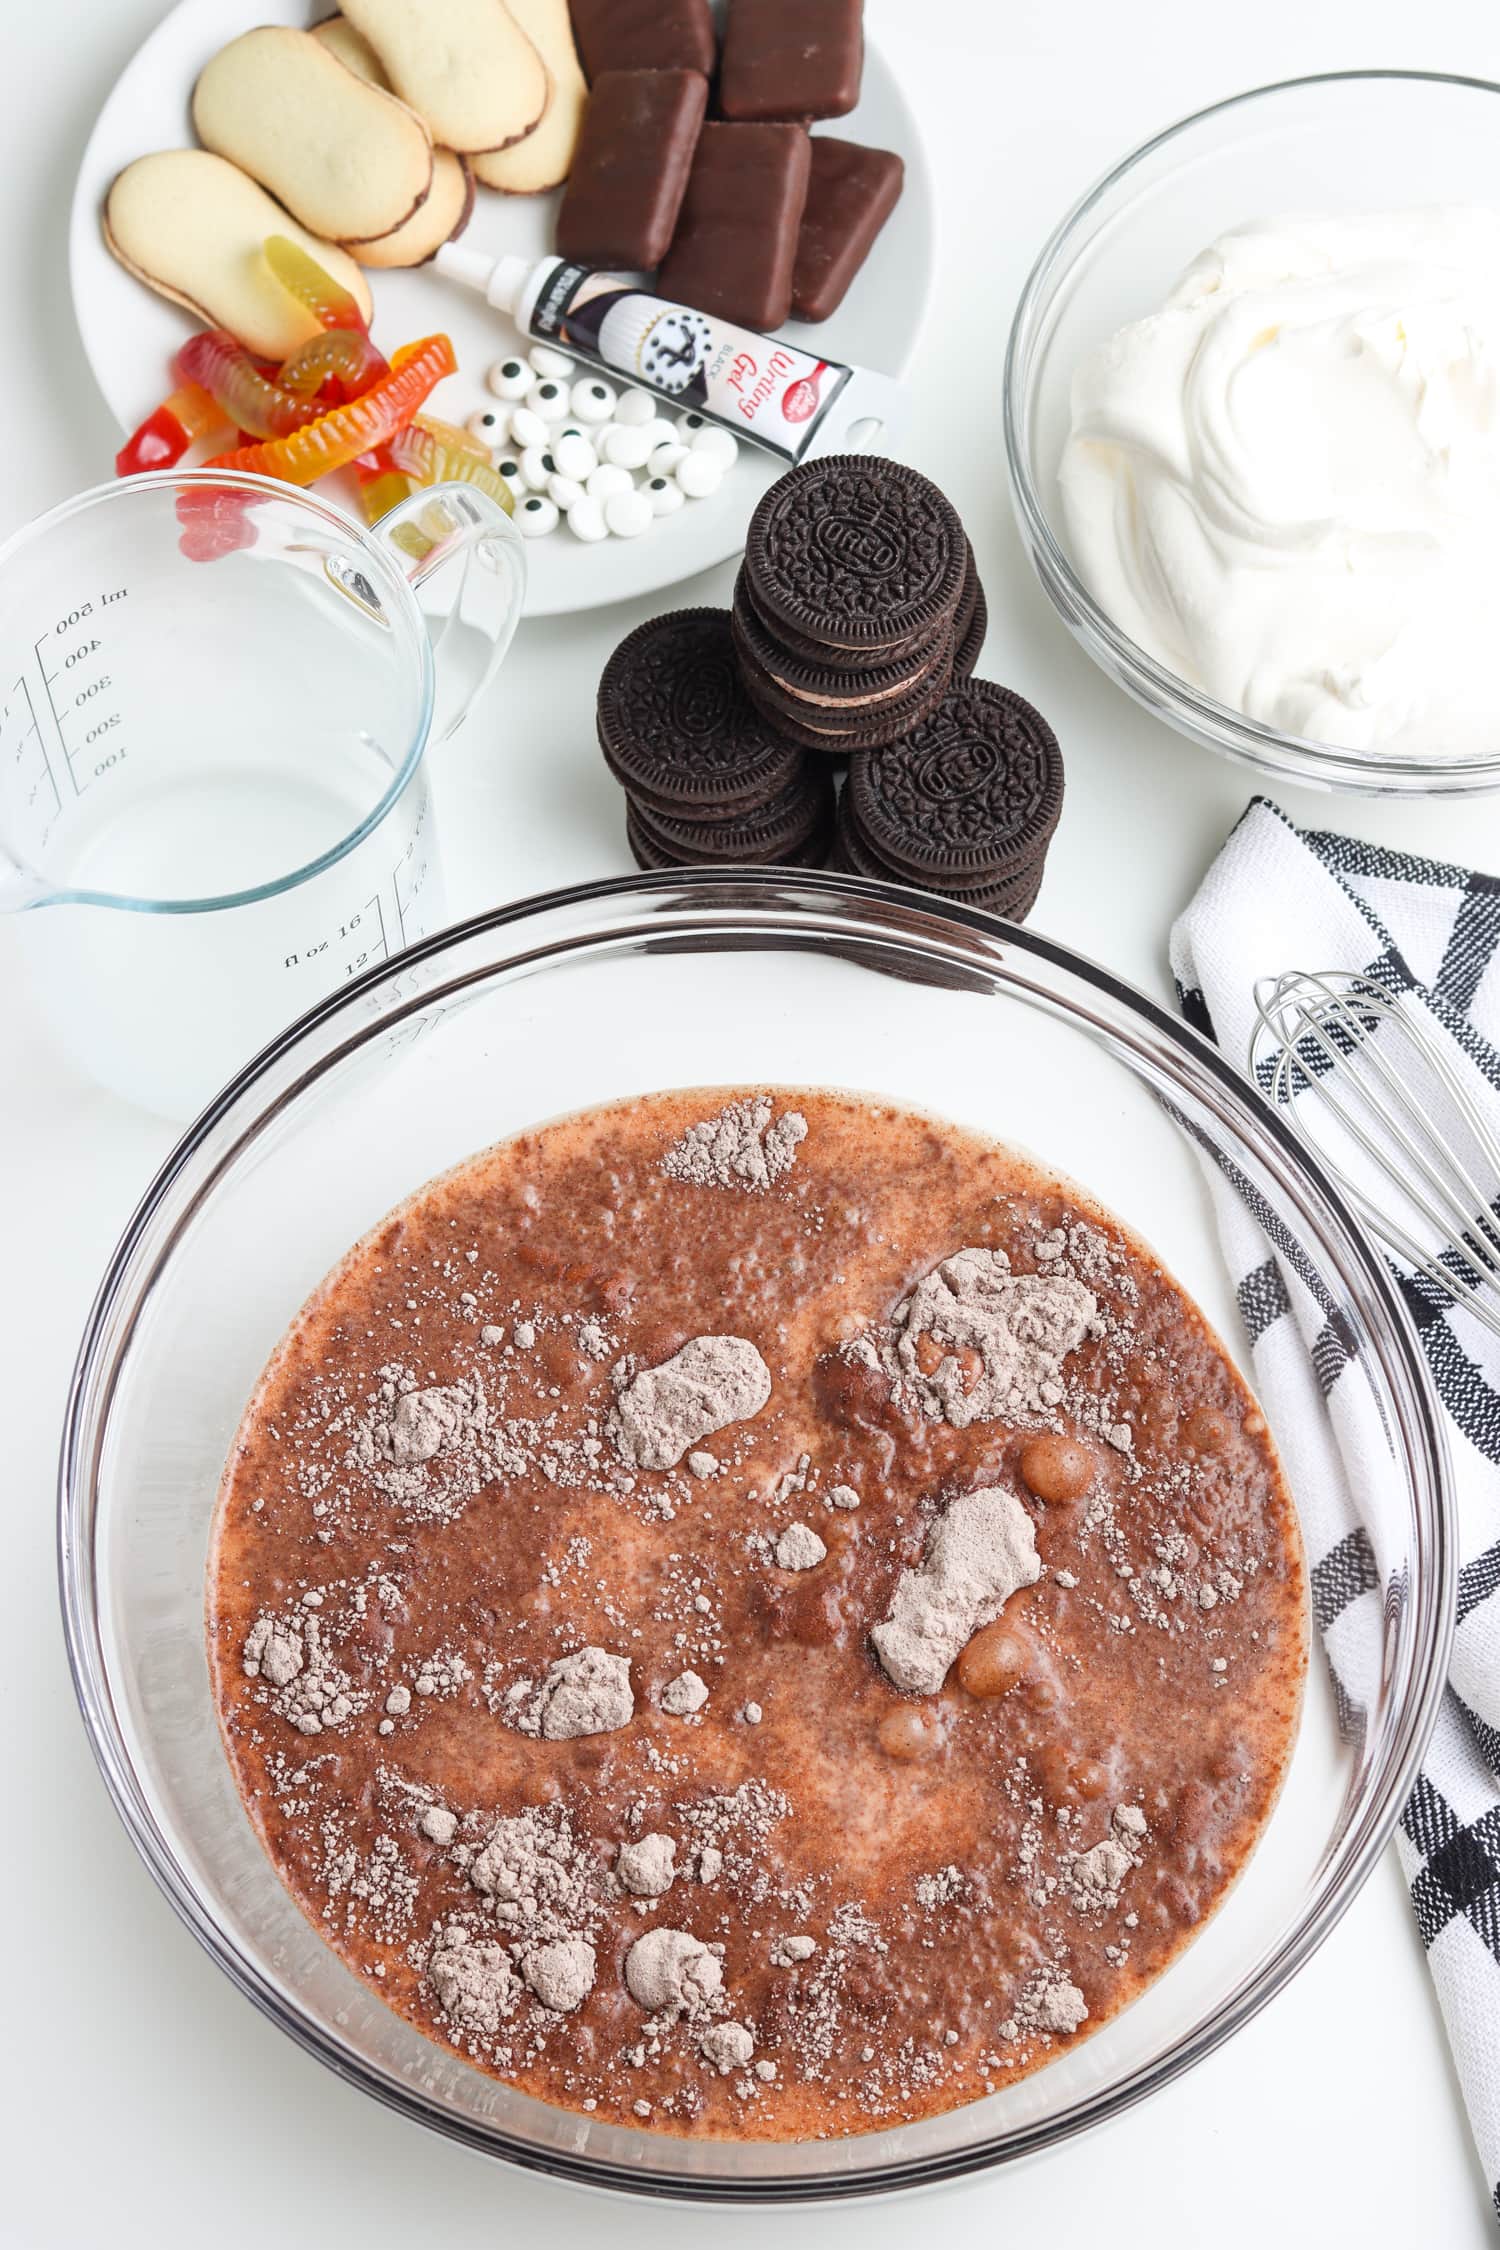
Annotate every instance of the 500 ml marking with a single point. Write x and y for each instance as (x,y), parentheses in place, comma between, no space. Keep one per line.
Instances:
(74,691)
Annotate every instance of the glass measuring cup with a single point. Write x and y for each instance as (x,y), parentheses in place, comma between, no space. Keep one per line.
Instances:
(216,697)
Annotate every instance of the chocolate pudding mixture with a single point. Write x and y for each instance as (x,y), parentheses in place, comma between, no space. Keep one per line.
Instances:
(757,1615)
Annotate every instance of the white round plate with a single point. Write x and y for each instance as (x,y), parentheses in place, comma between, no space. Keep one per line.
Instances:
(131,335)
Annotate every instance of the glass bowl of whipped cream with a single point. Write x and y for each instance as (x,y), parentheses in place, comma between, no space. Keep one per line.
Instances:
(1252,420)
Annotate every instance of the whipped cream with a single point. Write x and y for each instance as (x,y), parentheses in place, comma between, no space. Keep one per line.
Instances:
(1285,485)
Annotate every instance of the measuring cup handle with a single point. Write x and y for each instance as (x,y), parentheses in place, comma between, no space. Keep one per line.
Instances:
(453,527)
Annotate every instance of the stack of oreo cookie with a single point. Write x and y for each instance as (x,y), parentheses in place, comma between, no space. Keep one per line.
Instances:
(707,780)
(857,604)
(857,623)
(964,804)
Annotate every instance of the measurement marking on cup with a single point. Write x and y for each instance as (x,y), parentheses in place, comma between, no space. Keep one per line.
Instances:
(47,678)
(417,878)
(99,732)
(379,949)
(33,728)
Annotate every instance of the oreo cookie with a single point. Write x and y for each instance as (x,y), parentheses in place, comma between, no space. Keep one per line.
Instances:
(810,688)
(837,661)
(874,704)
(650,850)
(851,552)
(770,834)
(1013,898)
(969,644)
(969,798)
(838,734)
(676,726)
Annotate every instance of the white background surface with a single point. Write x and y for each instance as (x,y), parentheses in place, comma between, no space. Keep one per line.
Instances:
(143,2101)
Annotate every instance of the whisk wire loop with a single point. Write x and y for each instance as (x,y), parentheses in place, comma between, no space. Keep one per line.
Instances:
(1333,1045)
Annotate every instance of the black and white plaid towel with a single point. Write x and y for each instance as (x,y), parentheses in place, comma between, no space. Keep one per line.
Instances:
(1278,899)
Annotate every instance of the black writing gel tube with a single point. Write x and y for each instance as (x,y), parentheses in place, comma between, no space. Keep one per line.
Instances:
(765,390)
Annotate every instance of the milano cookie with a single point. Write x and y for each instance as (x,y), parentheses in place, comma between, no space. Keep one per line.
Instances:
(347,159)
(440,217)
(545,158)
(465,66)
(449,203)
(192,226)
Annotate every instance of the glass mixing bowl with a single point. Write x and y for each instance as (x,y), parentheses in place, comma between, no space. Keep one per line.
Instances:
(575,998)
(1354,141)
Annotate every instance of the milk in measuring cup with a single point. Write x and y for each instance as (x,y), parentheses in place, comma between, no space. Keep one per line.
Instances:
(214,795)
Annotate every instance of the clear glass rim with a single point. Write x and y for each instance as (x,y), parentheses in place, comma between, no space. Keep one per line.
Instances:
(338,519)
(1290,757)
(706,908)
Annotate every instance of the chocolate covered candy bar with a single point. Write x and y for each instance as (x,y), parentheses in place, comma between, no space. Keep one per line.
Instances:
(736,240)
(791,58)
(631,167)
(644,35)
(851,192)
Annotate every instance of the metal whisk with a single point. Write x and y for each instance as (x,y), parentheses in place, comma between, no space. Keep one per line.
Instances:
(1359,1076)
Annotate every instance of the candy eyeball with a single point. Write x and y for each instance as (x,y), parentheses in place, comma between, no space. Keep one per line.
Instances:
(563,491)
(490,424)
(606,480)
(628,513)
(536,516)
(528,428)
(665,496)
(510,378)
(699,474)
(546,361)
(635,409)
(661,432)
(586,520)
(665,459)
(592,399)
(549,399)
(574,456)
(510,468)
(688,426)
(537,465)
(627,445)
(716,445)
